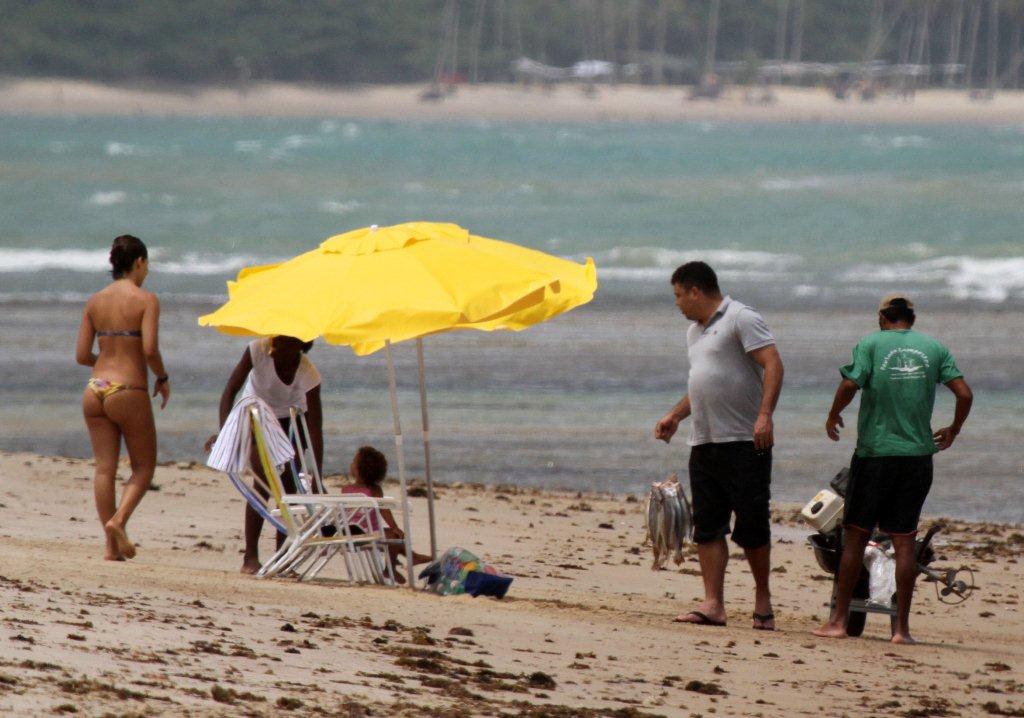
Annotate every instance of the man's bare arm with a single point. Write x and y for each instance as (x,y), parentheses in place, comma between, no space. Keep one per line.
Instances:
(666,427)
(844,395)
(764,430)
(945,437)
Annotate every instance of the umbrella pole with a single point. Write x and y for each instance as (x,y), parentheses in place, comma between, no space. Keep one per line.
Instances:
(426,449)
(393,389)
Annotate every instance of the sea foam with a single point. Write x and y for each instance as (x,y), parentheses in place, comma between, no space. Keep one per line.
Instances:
(962,277)
(105,199)
(653,263)
(26,261)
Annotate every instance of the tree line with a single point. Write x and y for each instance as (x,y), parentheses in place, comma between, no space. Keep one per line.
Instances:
(354,41)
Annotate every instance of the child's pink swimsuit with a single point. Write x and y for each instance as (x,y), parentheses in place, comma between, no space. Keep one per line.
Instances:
(363,519)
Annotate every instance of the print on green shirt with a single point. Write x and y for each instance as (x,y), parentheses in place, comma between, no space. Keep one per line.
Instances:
(897,371)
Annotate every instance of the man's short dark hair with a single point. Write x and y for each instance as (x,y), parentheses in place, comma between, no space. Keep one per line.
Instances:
(697,274)
(898,311)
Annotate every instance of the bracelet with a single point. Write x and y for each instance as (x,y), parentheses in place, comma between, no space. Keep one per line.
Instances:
(162,379)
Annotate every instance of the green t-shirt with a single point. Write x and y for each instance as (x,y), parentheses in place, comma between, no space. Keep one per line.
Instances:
(897,371)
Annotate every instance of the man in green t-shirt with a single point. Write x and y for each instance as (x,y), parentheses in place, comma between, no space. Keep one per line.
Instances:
(897,370)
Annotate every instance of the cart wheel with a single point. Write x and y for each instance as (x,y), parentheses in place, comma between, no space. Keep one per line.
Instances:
(855,623)
(856,620)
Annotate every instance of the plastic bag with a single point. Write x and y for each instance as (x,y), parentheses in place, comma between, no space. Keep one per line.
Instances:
(881,575)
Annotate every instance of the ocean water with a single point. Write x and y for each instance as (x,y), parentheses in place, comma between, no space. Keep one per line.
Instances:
(809,223)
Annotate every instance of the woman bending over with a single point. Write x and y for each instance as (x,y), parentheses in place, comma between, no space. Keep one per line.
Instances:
(277,370)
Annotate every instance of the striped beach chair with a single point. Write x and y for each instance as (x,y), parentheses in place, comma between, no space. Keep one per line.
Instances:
(316,525)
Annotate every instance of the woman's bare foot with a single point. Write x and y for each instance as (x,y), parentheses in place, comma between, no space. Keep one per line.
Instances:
(251,566)
(117,537)
(903,638)
(111,553)
(830,630)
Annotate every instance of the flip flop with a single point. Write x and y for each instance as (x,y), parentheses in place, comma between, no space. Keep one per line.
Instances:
(764,618)
(705,620)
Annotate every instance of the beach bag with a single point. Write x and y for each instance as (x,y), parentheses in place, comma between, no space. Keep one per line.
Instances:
(459,571)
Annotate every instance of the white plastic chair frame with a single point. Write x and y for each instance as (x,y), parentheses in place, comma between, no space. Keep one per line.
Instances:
(305,551)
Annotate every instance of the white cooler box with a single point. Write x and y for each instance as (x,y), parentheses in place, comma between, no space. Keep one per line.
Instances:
(824,511)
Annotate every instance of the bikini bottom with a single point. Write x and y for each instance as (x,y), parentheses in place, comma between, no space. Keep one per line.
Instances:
(104,388)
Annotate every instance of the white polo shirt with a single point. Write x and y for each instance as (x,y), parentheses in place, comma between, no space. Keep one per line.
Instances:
(725,385)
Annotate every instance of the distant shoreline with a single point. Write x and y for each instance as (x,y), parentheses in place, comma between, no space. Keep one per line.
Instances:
(499,102)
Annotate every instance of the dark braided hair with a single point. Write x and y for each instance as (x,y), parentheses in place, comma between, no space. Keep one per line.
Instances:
(123,253)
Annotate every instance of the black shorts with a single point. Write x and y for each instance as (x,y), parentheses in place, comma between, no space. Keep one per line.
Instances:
(887,492)
(731,478)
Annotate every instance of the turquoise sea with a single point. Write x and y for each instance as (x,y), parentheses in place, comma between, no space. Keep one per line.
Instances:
(810,223)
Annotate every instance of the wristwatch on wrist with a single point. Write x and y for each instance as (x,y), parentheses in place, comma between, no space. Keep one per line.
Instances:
(162,379)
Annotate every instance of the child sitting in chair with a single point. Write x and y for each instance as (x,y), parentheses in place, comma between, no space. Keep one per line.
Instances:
(367,472)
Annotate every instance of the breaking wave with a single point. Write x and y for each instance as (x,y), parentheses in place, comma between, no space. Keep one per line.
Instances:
(959,278)
(990,279)
(646,263)
(27,261)
(105,199)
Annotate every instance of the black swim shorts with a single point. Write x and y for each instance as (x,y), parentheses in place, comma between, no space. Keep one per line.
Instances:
(730,478)
(887,492)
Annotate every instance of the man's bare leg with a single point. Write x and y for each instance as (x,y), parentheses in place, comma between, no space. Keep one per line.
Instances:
(713,556)
(906,575)
(855,540)
(760,568)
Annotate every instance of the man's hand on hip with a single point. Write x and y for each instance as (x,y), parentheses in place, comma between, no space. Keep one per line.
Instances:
(945,437)
(764,432)
(665,429)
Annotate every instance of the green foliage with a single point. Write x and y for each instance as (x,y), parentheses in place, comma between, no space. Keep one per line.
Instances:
(352,41)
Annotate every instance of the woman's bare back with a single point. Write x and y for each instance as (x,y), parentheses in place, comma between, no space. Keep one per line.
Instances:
(122,307)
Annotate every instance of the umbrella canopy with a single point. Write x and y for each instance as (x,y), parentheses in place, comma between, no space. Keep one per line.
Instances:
(372,285)
(375,286)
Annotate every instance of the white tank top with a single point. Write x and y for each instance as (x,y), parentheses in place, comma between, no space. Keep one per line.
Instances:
(264,382)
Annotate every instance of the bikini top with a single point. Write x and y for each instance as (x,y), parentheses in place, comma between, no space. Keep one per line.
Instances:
(120,333)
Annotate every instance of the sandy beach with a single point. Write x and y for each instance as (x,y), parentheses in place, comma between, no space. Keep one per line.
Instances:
(565,103)
(586,629)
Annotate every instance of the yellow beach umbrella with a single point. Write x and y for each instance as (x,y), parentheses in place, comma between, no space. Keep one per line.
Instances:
(375,286)
(566,285)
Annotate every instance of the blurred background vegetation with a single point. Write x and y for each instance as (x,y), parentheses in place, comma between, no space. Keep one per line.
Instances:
(371,41)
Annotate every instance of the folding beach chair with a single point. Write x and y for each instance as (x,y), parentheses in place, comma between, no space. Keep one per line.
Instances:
(303,516)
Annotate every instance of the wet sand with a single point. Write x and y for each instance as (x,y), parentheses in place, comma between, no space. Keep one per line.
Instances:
(585,631)
(565,103)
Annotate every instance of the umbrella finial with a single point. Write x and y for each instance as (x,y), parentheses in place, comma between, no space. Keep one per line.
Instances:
(373,227)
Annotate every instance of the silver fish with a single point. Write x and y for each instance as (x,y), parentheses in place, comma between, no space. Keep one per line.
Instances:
(669,521)
(656,525)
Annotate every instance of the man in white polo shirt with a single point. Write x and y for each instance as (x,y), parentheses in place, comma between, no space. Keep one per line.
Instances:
(734,384)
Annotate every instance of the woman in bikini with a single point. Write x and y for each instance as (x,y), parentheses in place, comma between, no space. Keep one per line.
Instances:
(123,318)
